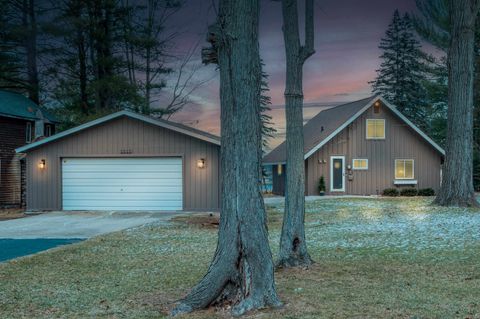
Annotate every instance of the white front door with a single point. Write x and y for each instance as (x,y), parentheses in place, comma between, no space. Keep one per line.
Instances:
(337,173)
(127,184)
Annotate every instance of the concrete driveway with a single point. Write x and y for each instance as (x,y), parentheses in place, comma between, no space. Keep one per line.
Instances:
(76,224)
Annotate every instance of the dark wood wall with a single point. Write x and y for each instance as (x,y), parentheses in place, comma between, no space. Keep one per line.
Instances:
(12,135)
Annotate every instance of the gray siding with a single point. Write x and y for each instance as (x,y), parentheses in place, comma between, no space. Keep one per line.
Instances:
(400,142)
(115,138)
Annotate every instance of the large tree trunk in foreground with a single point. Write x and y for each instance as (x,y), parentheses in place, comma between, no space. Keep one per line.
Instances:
(293,248)
(457,183)
(242,271)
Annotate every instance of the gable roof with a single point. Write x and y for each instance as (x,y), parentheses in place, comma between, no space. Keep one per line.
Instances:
(180,128)
(18,106)
(328,123)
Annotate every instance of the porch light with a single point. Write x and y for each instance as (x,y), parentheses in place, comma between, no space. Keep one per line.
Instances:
(201,163)
(41,164)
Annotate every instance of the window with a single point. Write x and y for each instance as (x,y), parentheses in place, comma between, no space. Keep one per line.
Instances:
(375,129)
(360,163)
(404,169)
(28,132)
(48,130)
(279,169)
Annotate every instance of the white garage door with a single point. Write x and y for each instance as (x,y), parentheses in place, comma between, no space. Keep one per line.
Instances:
(122,184)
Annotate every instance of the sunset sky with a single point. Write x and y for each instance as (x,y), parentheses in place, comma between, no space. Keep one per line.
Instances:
(347,34)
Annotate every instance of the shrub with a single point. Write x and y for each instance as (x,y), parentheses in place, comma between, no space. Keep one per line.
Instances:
(409,192)
(426,192)
(321,184)
(390,192)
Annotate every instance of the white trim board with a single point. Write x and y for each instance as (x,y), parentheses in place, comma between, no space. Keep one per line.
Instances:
(107,118)
(342,157)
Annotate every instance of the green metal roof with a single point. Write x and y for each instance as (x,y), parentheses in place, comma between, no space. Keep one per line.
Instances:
(18,106)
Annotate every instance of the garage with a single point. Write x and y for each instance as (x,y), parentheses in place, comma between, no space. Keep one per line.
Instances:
(122,184)
(124,162)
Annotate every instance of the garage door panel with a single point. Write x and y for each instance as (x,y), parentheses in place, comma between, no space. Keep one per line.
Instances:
(126,196)
(124,174)
(118,189)
(124,161)
(149,168)
(122,184)
(168,182)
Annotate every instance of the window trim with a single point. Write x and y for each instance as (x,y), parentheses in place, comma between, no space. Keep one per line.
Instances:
(359,168)
(375,138)
(413,168)
(332,158)
(28,132)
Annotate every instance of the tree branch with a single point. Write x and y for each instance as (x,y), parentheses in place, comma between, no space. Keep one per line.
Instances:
(308,49)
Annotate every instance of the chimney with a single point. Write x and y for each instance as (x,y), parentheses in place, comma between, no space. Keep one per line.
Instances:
(39,125)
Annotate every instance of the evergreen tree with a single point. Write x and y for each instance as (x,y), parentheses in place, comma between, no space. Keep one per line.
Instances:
(402,71)
(434,25)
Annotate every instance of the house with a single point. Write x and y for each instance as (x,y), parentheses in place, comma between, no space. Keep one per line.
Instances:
(124,162)
(21,122)
(362,148)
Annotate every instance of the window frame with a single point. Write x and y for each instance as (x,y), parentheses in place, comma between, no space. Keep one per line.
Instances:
(48,130)
(375,138)
(404,170)
(359,168)
(28,132)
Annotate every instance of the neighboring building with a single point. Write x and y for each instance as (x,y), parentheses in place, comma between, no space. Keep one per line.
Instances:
(21,122)
(124,161)
(362,148)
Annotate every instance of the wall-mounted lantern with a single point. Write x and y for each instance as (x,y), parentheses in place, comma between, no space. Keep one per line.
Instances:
(201,163)
(41,164)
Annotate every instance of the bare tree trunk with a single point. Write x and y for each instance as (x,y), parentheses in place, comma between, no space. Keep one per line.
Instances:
(293,247)
(31,48)
(457,183)
(242,269)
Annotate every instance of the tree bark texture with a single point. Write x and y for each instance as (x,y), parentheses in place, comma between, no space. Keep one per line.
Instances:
(242,270)
(293,247)
(31,49)
(457,183)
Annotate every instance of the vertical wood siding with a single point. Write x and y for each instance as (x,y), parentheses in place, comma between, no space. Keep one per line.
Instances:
(400,142)
(113,139)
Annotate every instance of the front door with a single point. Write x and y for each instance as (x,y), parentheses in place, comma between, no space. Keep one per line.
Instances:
(337,173)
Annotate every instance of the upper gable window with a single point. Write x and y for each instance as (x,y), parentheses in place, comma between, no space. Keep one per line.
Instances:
(376,129)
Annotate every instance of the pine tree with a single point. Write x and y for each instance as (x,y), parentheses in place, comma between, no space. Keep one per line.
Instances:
(402,71)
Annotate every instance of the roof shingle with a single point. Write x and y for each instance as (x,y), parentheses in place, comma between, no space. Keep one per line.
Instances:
(319,128)
(18,106)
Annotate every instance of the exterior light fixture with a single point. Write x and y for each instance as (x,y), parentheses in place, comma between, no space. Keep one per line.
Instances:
(201,163)
(41,164)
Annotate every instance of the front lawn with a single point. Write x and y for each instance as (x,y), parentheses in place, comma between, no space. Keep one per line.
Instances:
(376,258)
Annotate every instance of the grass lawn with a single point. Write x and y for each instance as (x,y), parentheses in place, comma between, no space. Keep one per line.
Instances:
(376,258)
